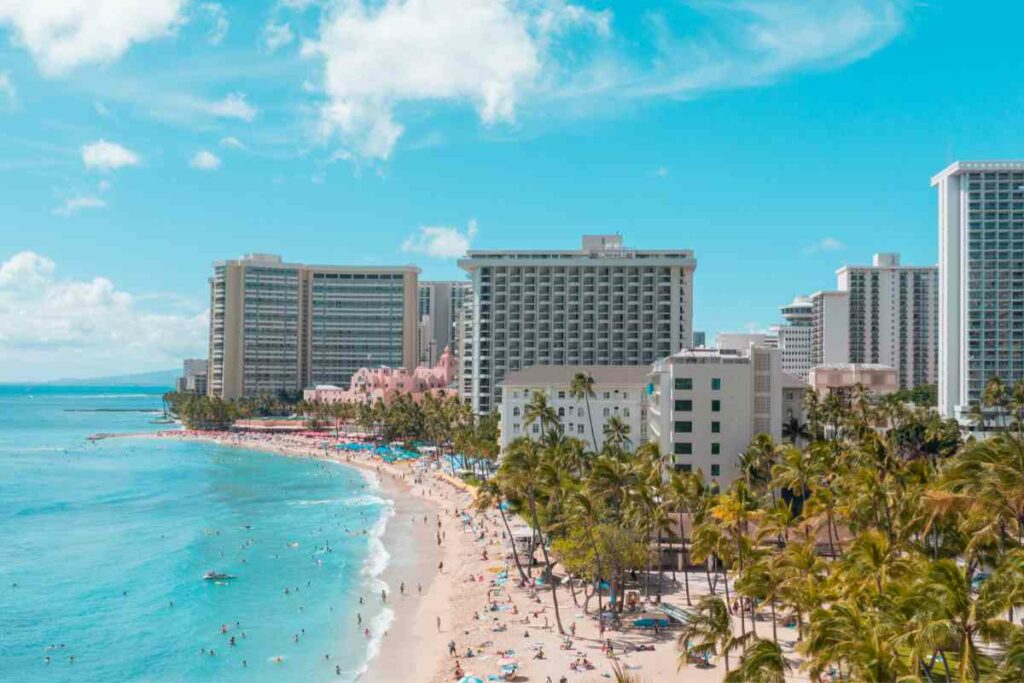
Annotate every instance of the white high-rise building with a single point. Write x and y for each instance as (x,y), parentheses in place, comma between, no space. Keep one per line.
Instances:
(893,317)
(882,314)
(795,336)
(603,304)
(981,279)
(708,404)
(830,328)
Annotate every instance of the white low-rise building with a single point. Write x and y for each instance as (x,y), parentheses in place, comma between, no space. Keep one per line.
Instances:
(706,405)
(619,391)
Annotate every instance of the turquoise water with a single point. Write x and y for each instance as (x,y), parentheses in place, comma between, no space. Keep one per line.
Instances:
(99,539)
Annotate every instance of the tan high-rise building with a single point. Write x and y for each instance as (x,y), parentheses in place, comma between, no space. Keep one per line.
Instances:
(281,327)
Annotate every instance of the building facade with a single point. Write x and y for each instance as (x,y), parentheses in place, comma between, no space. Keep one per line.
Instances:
(603,304)
(707,405)
(699,339)
(193,380)
(619,391)
(439,306)
(981,279)
(794,336)
(369,385)
(740,341)
(845,378)
(894,317)
(830,328)
(280,327)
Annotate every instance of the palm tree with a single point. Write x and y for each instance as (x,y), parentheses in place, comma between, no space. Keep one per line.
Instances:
(684,493)
(794,430)
(521,474)
(947,611)
(707,632)
(538,410)
(488,496)
(582,386)
(616,433)
(761,662)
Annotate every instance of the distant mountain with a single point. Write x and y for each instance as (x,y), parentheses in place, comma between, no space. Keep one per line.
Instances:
(158,378)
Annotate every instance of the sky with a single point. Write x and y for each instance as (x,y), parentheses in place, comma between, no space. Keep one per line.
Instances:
(141,140)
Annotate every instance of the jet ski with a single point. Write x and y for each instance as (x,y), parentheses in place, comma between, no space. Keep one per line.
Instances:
(217,576)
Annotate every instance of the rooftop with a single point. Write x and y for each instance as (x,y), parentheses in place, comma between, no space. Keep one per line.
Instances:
(562,375)
(958,167)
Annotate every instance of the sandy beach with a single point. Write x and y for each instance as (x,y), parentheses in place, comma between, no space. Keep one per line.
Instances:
(490,622)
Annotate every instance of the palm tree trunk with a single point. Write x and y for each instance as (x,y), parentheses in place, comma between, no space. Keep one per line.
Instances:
(547,563)
(590,419)
(775,632)
(515,552)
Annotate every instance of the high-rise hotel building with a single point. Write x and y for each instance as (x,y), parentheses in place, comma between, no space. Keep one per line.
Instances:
(894,317)
(981,279)
(603,304)
(795,336)
(282,327)
(882,314)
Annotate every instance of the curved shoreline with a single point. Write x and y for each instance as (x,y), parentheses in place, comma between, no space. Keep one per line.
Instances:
(388,654)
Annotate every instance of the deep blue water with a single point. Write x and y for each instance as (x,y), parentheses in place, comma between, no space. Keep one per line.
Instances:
(97,540)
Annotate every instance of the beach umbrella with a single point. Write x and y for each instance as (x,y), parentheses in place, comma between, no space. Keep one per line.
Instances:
(471,679)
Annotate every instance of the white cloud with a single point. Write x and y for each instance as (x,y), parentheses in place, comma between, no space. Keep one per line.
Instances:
(231,142)
(232,106)
(62,35)
(377,56)
(661,172)
(219,24)
(502,56)
(75,204)
(100,108)
(50,326)
(276,36)
(441,242)
(826,244)
(205,160)
(7,88)
(108,156)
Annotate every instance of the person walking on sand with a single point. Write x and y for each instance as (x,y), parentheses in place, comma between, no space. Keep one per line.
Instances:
(451,648)
(439,624)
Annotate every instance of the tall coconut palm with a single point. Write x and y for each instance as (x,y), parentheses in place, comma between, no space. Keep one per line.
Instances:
(538,410)
(707,632)
(761,662)
(684,494)
(948,611)
(489,496)
(582,387)
(521,474)
(616,433)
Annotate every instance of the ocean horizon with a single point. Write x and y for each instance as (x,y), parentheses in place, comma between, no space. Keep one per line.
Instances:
(106,544)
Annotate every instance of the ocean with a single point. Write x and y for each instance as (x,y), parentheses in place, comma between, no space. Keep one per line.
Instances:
(104,546)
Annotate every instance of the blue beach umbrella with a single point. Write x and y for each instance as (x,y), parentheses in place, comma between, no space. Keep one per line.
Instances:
(471,679)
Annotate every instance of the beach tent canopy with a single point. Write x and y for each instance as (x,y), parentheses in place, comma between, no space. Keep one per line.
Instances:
(471,679)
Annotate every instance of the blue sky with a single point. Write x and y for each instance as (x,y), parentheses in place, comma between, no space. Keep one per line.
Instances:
(140,140)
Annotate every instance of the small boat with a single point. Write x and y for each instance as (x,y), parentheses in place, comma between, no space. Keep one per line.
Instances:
(217,576)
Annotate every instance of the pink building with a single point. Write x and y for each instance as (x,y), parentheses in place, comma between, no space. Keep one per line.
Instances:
(384,383)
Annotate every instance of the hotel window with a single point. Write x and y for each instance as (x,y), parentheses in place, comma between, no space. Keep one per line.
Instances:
(684,467)
(607,412)
(716,427)
(716,384)
(515,412)
(561,412)
(684,427)
(684,384)
(561,394)
(716,448)
(683,448)
(606,395)
(515,428)
(716,406)
(715,470)
(625,412)
(684,405)
(536,428)
(579,429)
